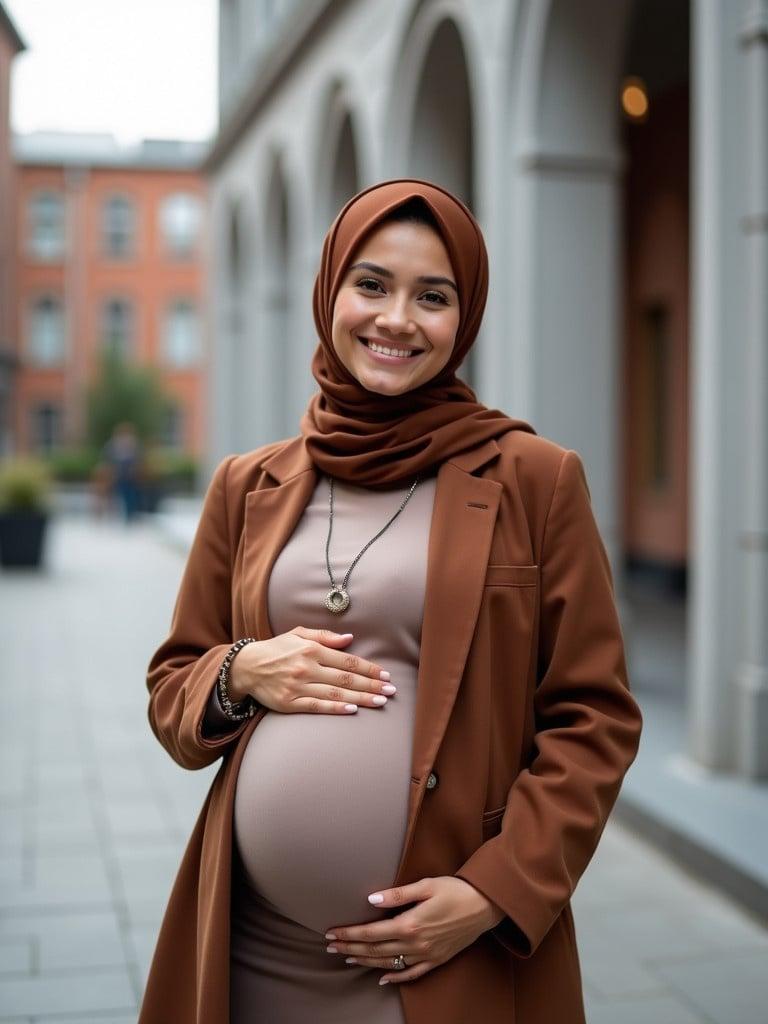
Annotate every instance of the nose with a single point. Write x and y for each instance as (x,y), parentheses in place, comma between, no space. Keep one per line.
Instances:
(394,317)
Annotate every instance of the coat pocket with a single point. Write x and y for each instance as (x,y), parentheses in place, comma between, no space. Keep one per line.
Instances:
(511,575)
(491,825)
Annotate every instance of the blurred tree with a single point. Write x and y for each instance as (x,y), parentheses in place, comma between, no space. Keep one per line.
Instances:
(123,392)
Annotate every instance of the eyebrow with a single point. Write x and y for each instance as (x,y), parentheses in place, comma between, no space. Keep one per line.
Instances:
(383,272)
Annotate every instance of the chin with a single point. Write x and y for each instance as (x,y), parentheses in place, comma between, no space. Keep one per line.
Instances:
(378,388)
(382,382)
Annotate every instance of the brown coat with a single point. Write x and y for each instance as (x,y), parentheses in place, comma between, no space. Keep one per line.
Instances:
(523,714)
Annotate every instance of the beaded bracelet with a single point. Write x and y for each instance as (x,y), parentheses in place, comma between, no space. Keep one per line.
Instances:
(245,708)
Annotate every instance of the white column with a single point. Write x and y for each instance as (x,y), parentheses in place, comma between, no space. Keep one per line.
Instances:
(752,673)
(565,238)
(719,442)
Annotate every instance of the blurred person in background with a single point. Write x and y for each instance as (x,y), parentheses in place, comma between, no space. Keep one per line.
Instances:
(122,455)
(397,631)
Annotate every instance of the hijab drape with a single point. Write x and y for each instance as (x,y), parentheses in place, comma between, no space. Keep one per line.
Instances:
(377,440)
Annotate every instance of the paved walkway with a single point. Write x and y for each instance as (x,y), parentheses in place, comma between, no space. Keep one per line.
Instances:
(94,817)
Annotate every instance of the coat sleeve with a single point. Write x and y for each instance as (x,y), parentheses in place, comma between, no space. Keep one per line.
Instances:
(587,729)
(182,672)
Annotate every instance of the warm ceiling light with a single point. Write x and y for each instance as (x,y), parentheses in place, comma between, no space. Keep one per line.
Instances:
(634,98)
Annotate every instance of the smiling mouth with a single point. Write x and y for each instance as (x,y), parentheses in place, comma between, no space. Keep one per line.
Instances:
(376,353)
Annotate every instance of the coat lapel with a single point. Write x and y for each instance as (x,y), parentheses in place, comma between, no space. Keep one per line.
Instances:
(271,515)
(463,519)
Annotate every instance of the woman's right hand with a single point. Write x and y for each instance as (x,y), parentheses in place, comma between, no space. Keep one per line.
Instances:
(305,670)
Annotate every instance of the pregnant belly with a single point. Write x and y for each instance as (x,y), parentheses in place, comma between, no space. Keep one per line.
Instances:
(321,808)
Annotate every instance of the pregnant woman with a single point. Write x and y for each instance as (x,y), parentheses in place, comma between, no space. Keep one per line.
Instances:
(397,629)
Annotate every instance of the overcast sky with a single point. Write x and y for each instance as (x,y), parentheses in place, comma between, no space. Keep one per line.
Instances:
(136,68)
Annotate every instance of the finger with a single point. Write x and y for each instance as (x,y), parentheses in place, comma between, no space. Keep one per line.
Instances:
(316,706)
(368,700)
(410,974)
(345,661)
(384,963)
(321,636)
(355,684)
(400,894)
(382,952)
(387,930)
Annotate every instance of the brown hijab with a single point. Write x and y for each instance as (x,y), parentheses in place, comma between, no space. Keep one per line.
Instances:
(379,440)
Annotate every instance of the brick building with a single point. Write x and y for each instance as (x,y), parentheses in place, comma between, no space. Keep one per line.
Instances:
(109,251)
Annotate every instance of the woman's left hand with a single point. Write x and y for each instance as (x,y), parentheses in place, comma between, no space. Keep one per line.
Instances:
(449,915)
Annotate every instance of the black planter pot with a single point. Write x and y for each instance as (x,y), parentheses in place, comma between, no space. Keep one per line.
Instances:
(21,538)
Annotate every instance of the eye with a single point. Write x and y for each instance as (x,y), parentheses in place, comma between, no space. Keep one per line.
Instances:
(366,281)
(439,297)
(431,296)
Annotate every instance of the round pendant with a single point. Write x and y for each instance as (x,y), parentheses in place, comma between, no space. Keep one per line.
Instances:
(337,600)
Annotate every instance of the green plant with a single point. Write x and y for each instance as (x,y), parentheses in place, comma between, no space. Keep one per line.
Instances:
(182,469)
(73,465)
(25,484)
(124,392)
(176,469)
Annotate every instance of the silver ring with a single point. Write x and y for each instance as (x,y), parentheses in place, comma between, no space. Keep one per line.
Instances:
(398,962)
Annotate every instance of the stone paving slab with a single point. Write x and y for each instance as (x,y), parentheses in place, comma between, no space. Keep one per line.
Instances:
(94,816)
(56,944)
(728,988)
(72,992)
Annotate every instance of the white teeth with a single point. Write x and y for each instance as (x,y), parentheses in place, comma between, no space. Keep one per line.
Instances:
(390,351)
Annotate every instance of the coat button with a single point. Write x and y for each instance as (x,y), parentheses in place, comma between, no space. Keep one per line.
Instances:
(432,780)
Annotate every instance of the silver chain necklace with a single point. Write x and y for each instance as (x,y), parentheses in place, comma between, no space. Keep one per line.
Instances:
(337,598)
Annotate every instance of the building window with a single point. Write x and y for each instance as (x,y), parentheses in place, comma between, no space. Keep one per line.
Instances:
(46,340)
(46,427)
(181,335)
(656,389)
(117,327)
(172,430)
(119,227)
(46,226)
(181,217)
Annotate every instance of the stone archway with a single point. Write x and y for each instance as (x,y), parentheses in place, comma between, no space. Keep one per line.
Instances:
(345,172)
(431,128)
(565,182)
(440,144)
(339,159)
(601,235)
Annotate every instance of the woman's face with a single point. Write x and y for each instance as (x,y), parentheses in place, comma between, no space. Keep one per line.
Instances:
(398,294)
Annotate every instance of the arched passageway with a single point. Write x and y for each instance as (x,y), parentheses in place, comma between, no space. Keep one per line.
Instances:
(432,115)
